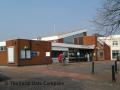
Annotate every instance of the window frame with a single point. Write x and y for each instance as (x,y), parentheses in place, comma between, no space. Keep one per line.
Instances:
(3,48)
(28,55)
(115,53)
(115,43)
(25,54)
(22,56)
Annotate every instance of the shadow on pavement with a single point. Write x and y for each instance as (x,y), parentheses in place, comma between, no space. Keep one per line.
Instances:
(3,78)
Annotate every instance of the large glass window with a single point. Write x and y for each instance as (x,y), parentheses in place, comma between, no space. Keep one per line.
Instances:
(25,54)
(2,48)
(100,53)
(22,54)
(55,54)
(28,54)
(115,43)
(115,53)
(69,40)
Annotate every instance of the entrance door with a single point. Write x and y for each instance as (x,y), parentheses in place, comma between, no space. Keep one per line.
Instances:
(10,54)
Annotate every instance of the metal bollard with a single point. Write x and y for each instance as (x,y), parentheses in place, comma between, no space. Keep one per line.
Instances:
(115,66)
(113,73)
(93,68)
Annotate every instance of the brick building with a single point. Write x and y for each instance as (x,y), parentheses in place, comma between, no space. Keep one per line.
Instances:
(25,52)
(113,41)
(45,50)
(78,46)
(101,50)
(70,43)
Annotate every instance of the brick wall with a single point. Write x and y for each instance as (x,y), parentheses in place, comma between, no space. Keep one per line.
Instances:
(107,52)
(3,57)
(78,40)
(92,40)
(39,46)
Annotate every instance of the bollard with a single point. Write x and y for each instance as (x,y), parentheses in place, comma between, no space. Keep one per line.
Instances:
(93,68)
(115,66)
(113,73)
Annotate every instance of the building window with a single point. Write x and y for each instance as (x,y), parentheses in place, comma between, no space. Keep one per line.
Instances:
(25,54)
(100,53)
(22,54)
(55,54)
(28,54)
(115,43)
(115,53)
(69,40)
(2,48)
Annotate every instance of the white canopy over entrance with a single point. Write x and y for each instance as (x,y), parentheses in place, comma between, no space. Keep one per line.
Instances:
(64,45)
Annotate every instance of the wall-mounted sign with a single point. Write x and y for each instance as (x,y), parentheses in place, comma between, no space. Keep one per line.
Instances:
(35,53)
(48,54)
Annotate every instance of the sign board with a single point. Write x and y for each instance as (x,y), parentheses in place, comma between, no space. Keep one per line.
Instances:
(35,53)
(48,54)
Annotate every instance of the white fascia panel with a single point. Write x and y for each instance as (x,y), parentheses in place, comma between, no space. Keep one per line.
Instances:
(3,43)
(72,33)
(50,38)
(34,39)
(59,48)
(62,36)
(73,46)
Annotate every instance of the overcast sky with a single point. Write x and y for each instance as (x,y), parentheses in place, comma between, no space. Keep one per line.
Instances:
(32,18)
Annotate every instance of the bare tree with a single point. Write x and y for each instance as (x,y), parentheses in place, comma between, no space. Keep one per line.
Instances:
(108,17)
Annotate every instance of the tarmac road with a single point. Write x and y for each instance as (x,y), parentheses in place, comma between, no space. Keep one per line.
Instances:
(73,76)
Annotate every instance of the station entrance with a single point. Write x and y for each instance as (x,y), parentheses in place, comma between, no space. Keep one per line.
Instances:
(80,55)
(74,55)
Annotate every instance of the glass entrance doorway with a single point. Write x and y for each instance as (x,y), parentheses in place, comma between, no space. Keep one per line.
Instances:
(79,55)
